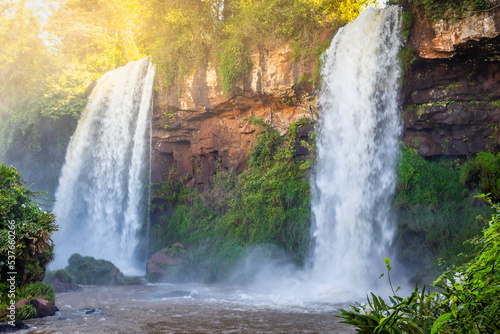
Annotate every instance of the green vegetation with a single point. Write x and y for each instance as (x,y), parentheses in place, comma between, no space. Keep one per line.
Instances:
(48,65)
(46,70)
(267,204)
(448,9)
(436,211)
(467,299)
(25,244)
(38,290)
(484,172)
(33,226)
(87,270)
(224,32)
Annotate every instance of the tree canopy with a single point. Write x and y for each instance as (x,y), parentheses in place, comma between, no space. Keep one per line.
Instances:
(50,55)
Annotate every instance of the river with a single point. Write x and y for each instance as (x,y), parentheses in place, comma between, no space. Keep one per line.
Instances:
(209,309)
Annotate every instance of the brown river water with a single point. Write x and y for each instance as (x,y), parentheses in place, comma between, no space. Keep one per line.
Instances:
(208,309)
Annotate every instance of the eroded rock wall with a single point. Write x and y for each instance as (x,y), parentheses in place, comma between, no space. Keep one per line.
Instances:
(451,93)
(450,101)
(197,128)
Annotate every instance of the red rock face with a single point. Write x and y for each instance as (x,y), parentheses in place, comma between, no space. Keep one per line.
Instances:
(159,262)
(198,129)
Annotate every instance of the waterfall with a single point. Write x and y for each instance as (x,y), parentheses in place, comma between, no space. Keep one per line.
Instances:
(99,201)
(357,148)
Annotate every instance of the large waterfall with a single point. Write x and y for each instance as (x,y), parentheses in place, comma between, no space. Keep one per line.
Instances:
(99,202)
(357,150)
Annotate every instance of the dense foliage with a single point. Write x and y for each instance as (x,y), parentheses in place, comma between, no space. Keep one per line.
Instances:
(25,240)
(33,228)
(267,204)
(46,66)
(225,31)
(483,171)
(87,270)
(467,299)
(436,211)
(448,9)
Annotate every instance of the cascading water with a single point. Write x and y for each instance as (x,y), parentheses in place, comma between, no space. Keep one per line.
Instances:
(357,149)
(99,201)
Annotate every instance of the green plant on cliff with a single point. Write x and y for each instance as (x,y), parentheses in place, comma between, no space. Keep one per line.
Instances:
(267,204)
(436,211)
(483,171)
(446,9)
(234,61)
(181,35)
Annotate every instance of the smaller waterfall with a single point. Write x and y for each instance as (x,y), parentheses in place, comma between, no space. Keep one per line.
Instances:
(357,149)
(99,202)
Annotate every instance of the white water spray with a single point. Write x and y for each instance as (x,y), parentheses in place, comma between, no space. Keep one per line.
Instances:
(99,202)
(357,150)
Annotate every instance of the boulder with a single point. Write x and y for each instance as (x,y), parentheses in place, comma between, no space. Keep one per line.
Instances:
(44,308)
(61,286)
(87,270)
(6,327)
(156,266)
(21,302)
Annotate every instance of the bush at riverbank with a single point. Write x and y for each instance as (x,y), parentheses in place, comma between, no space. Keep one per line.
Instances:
(25,243)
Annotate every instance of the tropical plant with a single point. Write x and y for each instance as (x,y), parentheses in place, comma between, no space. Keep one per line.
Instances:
(26,230)
(466,300)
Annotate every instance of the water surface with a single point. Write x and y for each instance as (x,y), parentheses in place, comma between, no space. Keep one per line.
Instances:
(210,309)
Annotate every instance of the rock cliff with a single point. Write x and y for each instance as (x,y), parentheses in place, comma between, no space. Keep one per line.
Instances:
(450,99)
(451,93)
(197,128)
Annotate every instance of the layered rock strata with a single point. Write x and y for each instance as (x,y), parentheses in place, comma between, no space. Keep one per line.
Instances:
(451,93)
(199,129)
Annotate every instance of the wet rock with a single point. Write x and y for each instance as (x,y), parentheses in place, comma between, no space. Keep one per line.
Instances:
(175,294)
(158,264)
(44,308)
(59,286)
(92,310)
(441,38)
(21,302)
(87,270)
(6,327)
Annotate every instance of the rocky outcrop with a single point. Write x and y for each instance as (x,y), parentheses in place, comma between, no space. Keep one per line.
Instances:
(450,97)
(62,286)
(10,327)
(442,38)
(43,307)
(159,263)
(198,128)
(451,93)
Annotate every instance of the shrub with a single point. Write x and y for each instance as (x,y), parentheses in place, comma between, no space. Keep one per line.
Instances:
(87,270)
(26,311)
(436,212)
(446,9)
(61,275)
(38,290)
(33,228)
(483,171)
